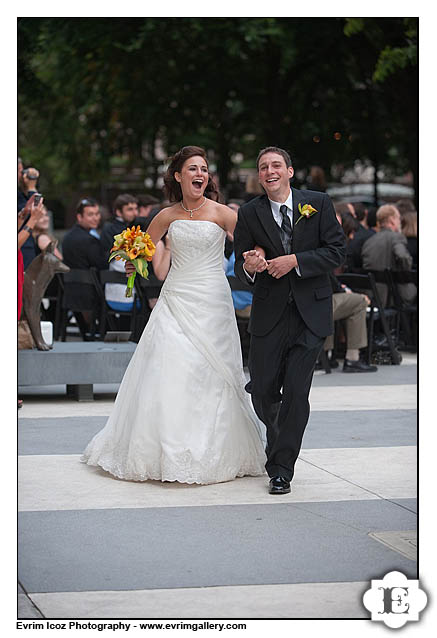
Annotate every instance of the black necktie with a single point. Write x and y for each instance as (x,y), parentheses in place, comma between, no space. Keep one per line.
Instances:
(286,231)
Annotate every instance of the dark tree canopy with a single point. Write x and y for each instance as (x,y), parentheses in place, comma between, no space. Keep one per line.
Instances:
(97,94)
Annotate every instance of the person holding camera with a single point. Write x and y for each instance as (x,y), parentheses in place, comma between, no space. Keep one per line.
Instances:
(31,214)
(27,181)
(27,187)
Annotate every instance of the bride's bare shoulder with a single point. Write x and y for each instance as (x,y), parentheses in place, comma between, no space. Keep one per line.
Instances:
(225,213)
(168,211)
(166,215)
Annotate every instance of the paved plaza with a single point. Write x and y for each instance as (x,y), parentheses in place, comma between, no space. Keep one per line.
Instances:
(92,546)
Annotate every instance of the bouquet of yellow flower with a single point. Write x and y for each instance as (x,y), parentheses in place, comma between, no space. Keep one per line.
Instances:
(135,246)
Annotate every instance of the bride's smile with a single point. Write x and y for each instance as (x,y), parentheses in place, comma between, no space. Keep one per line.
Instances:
(193,178)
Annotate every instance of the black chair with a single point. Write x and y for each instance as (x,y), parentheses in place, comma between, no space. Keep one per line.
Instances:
(366,282)
(77,305)
(108,315)
(324,361)
(146,289)
(389,298)
(242,322)
(407,312)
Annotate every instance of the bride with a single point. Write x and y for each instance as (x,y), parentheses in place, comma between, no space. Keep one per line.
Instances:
(181,413)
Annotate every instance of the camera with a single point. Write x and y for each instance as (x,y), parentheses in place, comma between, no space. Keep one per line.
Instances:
(37,199)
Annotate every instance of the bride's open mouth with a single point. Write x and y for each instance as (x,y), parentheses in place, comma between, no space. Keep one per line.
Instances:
(198,183)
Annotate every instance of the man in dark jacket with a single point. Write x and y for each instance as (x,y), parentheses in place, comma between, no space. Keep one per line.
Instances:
(387,249)
(302,242)
(82,250)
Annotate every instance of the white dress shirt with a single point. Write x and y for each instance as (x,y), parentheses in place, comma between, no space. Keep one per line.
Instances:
(277,216)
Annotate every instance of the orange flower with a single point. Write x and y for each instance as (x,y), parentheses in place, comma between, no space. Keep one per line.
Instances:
(133,253)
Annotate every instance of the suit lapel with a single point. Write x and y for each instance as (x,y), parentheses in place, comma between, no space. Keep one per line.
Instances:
(265,215)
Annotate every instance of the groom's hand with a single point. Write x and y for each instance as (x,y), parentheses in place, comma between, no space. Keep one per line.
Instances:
(280,266)
(254,261)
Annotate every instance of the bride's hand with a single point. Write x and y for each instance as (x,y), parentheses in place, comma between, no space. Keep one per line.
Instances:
(129,268)
(254,260)
(261,251)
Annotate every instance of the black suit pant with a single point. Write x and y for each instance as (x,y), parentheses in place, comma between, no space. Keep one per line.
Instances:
(281,366)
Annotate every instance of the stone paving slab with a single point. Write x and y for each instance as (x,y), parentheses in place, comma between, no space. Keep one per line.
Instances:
(61,482)
(385,375)
(307,600)
(363,397)
(27,609)
(203,547)
(403,542)
(388,472)
(366,428)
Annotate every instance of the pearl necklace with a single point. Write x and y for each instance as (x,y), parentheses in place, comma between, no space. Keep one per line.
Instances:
(192,210)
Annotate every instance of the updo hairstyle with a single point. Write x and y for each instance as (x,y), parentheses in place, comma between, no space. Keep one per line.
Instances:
(172,188)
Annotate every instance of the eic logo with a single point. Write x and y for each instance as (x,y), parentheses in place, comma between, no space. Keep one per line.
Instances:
(395,600)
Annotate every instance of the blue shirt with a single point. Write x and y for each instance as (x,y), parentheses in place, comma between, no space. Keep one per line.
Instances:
(240,298)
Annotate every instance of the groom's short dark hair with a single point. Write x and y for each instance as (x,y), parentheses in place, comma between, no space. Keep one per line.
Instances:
(274,149)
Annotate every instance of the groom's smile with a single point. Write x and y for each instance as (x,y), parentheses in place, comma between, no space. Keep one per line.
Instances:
(274,176)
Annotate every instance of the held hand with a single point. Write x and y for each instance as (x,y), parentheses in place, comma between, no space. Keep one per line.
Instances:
(261,251)
(129,268)
(254,261)
(280,266)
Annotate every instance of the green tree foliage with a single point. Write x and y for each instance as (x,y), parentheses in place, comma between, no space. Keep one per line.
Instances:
(95,94)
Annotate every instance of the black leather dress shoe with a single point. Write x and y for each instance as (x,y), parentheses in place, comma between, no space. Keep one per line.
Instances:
(279,485)
(358,366)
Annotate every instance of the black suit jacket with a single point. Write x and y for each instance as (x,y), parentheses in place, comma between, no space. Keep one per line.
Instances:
(320,246)
(117,226)
(82,251)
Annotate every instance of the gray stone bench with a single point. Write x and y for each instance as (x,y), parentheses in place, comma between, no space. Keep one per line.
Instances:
(78,365)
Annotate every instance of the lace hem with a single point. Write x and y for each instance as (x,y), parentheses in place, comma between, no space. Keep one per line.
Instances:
(171,472)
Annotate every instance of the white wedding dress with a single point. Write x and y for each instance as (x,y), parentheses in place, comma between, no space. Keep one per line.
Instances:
(181,413)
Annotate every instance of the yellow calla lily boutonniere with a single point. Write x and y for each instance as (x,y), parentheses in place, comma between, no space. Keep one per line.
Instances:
(306,211)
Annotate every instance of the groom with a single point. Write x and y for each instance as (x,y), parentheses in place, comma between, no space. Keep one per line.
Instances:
(287,254)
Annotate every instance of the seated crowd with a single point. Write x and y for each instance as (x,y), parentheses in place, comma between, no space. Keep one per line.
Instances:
(377,240)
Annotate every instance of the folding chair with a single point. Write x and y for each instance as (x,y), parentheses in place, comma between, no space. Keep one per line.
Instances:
(90,304)
(146,289)
(366,282)
(407,312)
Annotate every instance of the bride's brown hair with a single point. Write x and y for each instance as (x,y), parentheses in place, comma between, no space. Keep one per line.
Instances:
(172,188)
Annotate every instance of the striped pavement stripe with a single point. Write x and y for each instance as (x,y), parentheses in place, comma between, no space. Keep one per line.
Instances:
(95,547)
